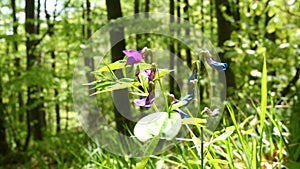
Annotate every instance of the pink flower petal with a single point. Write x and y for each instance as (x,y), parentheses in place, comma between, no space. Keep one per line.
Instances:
(133,56)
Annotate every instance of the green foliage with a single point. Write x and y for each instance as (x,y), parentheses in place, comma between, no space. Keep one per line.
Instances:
(260,128)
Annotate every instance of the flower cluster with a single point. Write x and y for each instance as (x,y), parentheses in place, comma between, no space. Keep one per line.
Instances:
(147,78)
(146,75)
(165,124)
(149,75)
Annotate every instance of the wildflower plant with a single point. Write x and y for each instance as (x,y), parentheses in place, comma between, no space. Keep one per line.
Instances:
(137,86)
(166,123)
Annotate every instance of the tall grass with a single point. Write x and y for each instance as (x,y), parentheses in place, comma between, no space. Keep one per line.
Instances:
(256,141)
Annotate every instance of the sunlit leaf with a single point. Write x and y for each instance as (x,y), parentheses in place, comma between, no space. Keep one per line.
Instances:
(113,66)
(223,136)
(177,105)
(158,124)
(162,72)
(271,27)
(218,161)
(193,121)
(116,86)
(144,65)
(263,104)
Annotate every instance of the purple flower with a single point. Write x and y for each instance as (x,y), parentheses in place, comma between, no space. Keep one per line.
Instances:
(146,102)
(174,100)
(217,65)
(134,56)
(149,73)
(182,114)
(213,113)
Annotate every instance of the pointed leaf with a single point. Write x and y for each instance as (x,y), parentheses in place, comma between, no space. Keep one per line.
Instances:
(223,136)
(113,66)
(162,72)
(177,105)
(117,86)
(193,121)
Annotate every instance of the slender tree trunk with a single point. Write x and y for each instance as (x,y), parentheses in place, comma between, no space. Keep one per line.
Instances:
(224,31)
(172,49)
(187,33)
(68,87)
(202,68)
(117,42)
(34,115)
(18,71)
(271,36)
(41,113)
(136,11)
(145,40)
(147,7)
(89,61)
(69,95)
(53,57)
(179,83)
(29,28)
(211,13)
(3,142)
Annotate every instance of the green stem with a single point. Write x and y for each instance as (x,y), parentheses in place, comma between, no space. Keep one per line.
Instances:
(165,97)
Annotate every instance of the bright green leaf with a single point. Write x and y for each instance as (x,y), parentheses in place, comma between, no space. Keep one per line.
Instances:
(113,66)
(193,121)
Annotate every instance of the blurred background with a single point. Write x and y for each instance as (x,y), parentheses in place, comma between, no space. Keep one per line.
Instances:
(40,41)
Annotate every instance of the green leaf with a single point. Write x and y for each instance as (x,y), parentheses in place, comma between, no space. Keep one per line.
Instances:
(223,136)
(116,86)
(271,27)
(218,161)
(104,84)
(144,65)
(113,66)
(143,163)
(162,72)
(158,124)
(193,121)
(148,151)
(263,104)
(177,105)
(254,158)
(260,50)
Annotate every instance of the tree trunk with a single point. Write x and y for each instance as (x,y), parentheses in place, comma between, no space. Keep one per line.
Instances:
(202,68)
(137,36)
(172,49)
(179,83)
(18,72)
(41,113)
(224,31)
(89,61)
(3,142)
(53,57)
(145,39)
(35,115)
(117,42)
(187,33)
(271,36)
(211,14)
